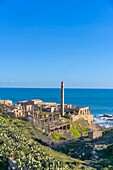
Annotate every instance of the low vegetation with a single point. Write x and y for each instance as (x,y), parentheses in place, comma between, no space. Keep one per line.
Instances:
(97,153)
(17,142)
(1,107)
(57,136)
(78,128)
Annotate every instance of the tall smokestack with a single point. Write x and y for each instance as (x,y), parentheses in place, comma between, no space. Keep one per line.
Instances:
(62,98)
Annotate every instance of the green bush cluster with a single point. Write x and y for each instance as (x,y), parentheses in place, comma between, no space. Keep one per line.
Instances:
(57,136)
(79,128)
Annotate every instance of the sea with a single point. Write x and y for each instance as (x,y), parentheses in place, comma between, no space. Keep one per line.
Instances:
(100,101)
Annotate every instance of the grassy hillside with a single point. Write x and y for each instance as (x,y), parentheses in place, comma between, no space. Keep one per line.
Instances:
(79,128)
(17,140)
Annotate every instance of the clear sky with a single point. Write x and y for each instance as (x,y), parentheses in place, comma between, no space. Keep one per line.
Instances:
(43,42)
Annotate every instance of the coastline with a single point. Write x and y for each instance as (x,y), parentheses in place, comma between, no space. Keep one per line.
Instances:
(104,122)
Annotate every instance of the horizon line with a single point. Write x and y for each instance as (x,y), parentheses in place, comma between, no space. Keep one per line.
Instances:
(58,87)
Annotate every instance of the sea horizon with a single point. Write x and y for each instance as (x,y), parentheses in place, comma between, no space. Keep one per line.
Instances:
(88,88)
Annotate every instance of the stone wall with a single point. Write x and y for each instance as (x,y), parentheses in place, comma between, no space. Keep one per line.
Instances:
(20,113)
(88,118)
(94,134)
(84,111)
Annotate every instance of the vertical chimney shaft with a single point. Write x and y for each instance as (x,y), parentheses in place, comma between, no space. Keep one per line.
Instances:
(62,98)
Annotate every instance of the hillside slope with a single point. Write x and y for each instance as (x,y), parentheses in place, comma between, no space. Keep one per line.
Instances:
(98,153)
(17,140)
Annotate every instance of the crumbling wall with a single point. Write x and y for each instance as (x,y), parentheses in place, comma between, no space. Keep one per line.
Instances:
(94,134)
(88,118)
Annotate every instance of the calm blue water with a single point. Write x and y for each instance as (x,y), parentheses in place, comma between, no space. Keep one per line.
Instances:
(99,100)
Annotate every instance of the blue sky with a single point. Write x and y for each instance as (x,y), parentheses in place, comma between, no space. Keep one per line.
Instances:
(44,42)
